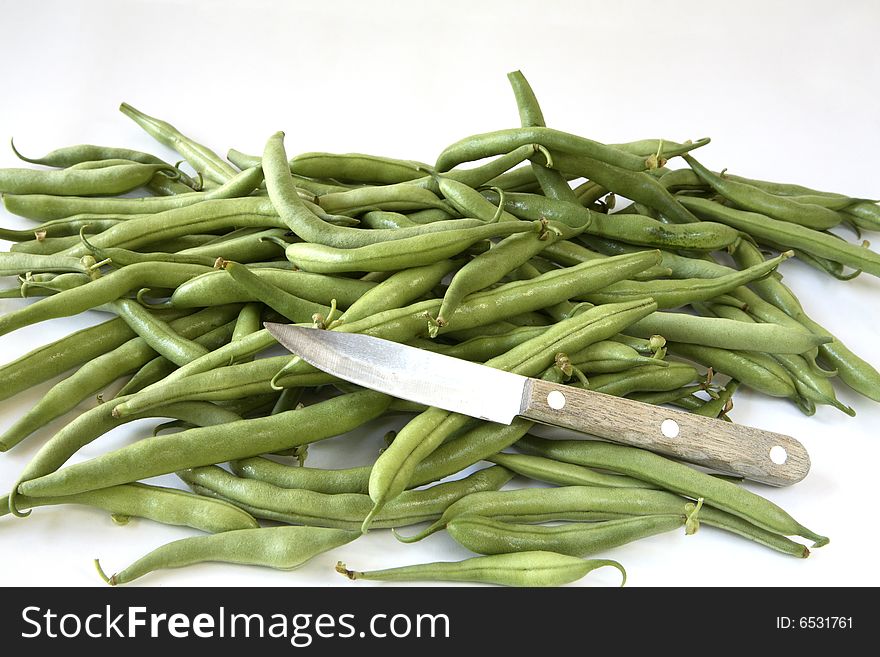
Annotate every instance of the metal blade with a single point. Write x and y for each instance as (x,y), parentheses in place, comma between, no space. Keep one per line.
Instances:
(408,373)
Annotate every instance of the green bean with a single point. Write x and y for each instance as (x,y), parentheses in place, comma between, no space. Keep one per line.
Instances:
(356,167)
(157,333)
(45,207)
(808,384)
(295,215)
(661,149)
(488,268)
(395,466)
(574,503)
(12,264)
(726,333)
(341,510)
(206,446)
(62,227)
(401,288)
(284,548)
(116,179)
(521,179)
(400,197)
(488,536)
(674,477)
(636,185)
(49,361)
(204,217)
(826,266)
(630,228)
(99,420)
(755,370)
(644,377)
(400,254)
(568,253)
(477,147)
(483,347)
(150,372)
(349,480)
(490,173)
(754,199)
(562,474)
(679,292)
(865,215)
(201,158)
(166,505)
(102,290)
(791,235)
(218,288)
(381,219)
(470,203)
(608,356)
(99,372)
(46,246)
(249,321)
(533,568)
(552,183)
(288,305)
(72,155)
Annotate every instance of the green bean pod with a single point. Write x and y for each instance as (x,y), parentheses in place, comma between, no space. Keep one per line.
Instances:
(206,446)
(99,420)
(553,184)
(477,147)
(166,505)
(858,374)
(399,254)
(755,370)
(218,288)
(754,199)
(202,159)
(680,292)
(157,333)
(727,333)
(51,207)
(674,477)
(116,179)
(49,361)
(562,474)
(534,568)
(639,186)
(489,536)
(341,510)
(642,378)
(630,228)
(100,291)
(288,305)
(401,288)
(789,235)
(488,268)
(283,548)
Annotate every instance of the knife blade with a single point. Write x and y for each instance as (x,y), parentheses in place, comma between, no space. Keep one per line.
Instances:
(494,395)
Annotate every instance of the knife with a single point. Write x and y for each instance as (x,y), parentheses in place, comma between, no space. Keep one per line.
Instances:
(498,396)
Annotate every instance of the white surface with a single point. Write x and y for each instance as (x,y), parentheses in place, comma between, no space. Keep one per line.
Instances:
(786,90)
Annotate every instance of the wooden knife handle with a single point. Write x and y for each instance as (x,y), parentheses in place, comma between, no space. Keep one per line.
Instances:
(755,454)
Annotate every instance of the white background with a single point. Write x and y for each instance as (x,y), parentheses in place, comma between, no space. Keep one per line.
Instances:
(786,90)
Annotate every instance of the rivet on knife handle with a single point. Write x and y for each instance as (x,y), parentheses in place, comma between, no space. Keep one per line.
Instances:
(755,454)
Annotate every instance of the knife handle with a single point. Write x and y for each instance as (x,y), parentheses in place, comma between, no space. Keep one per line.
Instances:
(755,454)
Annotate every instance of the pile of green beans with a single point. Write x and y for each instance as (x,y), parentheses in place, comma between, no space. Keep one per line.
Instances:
(489,253)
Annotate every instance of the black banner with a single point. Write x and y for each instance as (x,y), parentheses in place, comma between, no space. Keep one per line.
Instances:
(327,620)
